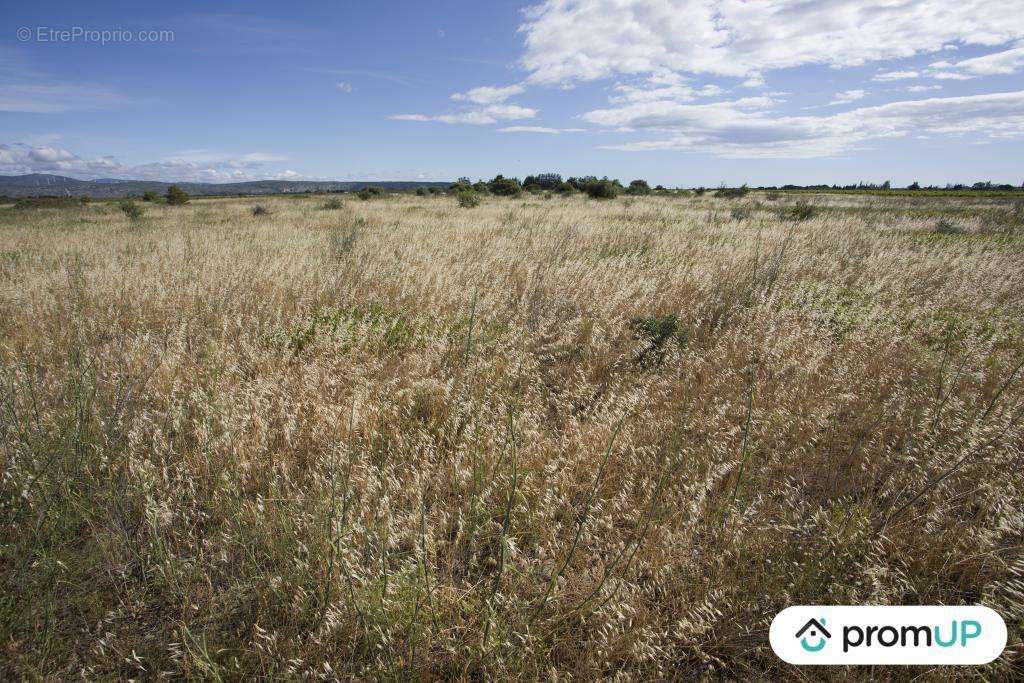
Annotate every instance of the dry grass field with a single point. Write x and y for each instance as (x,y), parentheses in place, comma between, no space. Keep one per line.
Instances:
(540,438)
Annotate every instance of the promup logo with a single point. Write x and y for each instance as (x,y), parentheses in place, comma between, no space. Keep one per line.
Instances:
(817,630)
(888,635)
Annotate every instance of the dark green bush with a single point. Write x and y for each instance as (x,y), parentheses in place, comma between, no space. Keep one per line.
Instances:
(505,187)
(638,187)
(601,189)
(371,192)
(260,211)
(130,209)
(468,198)
(332,204)
(732,192)
(801,211)
(176,196)
(149,196)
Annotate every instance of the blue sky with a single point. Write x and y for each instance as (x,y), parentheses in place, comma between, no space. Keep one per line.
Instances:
(679,92)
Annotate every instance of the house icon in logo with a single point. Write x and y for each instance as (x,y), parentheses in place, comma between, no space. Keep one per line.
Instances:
(817,630)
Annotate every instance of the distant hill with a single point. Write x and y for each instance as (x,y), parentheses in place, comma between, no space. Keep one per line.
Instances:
(45,184)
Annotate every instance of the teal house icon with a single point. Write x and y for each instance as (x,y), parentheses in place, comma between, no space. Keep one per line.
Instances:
(818,635)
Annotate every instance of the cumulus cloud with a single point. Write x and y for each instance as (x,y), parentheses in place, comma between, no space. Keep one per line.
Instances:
(191,165)
(847,96)
(664,85)
(477,117)
(580,40)
(343,86)
(1002,63)
(885,76)
(488,95)
(747,128)
(539,129)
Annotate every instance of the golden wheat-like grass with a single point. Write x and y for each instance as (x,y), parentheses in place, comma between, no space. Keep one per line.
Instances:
(535,439)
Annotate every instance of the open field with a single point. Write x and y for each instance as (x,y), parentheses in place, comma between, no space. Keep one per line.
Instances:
(539,438)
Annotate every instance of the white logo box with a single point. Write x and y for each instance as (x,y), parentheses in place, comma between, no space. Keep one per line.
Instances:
(848,634)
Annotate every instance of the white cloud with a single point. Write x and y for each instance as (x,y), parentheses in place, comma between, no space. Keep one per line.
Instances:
(996,64)
(477,117)
(488,95)
(885,76)
(539,129)
(743,129)
(923,88)
(260,157)
(343,86)
(1002,63)
(190,165)
(577,40)
(847,96)
(529,129)
(663,85)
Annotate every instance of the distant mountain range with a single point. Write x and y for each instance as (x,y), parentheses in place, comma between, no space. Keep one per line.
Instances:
(47,185)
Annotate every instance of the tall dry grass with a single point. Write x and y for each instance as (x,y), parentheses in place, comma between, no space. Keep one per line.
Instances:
(532,439)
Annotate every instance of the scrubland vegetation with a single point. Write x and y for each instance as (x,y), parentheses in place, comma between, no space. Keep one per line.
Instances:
(428,437)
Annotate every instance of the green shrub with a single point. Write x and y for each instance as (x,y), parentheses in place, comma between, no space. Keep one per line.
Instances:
(371,192)
(332,204)
(801,211)
(505,187)
(732,192)
(639,187)
(601,189)
(468,199)
(176,196)
(130,209)
(149,196)
(422,191)
(260,211)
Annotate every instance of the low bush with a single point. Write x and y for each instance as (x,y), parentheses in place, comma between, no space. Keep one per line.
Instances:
(639,187)
(130,209)
(601,189)
(732,192)
(468,199)
(332,204)
(371,192)
(505,187)
(260,211)
(801,211)
(176,196)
